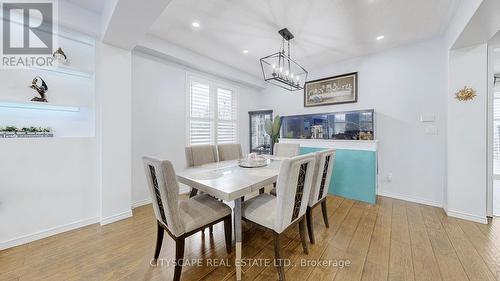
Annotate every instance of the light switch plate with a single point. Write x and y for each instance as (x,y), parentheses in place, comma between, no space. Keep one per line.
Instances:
(427,117)
(431,130)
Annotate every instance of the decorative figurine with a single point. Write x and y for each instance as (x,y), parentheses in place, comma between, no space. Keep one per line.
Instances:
(41,87)
(60,57)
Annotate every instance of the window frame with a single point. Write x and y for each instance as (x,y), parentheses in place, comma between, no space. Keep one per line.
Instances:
(214,85)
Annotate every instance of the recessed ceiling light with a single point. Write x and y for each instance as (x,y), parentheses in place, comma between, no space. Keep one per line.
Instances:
(195,24)
(380,37)
(245,52)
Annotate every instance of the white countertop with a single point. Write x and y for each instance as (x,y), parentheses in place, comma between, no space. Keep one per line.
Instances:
(368,145)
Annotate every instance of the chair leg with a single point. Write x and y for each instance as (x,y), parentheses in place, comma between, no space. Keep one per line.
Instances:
(228,231)
(310,229)
(302,232)
(159,240)
(325,213)
(179,258)
(211,228)
(193,192)
(278,257)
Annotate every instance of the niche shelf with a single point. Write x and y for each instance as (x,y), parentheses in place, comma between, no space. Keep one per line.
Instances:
(65,69)
(38,106)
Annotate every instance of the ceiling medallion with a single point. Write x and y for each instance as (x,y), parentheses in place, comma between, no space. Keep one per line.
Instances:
(279,69)
(465,94)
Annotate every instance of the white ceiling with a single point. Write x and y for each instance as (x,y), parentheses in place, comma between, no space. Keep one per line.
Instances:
(93,5)
(325,30)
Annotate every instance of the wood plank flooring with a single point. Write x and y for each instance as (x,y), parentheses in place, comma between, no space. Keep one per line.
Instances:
(393,240)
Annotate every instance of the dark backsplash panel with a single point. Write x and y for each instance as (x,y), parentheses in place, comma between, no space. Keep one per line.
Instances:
(349,125)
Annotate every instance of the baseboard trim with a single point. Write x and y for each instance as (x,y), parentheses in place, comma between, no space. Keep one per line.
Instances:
(117,217)
(411,199)
(46,233)
(466,216)
(140,203)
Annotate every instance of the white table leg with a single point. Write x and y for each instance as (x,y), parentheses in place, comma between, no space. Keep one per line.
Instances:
(237,234)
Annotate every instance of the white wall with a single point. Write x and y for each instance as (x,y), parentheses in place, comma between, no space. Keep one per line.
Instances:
(47,186)
(113,87)
(159,115)
(400,84)
(467,134)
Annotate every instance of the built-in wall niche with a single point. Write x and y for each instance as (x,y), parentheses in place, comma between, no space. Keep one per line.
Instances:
(70,110)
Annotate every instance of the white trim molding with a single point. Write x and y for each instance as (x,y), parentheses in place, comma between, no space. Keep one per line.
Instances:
(368,145)
(117,217)
(141,203)
(411,199)
(465,216)
(46,233)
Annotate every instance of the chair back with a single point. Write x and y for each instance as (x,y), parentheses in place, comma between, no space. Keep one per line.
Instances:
(322,175)
(286,149)
(164,190)
(230,151)
(292,190)
(197,155)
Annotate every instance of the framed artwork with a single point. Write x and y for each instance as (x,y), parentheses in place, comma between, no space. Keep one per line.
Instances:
(332,90)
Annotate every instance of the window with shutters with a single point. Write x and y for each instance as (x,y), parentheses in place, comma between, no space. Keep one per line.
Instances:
(212,113)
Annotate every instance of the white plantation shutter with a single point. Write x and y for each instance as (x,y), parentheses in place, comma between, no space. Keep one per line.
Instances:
(226,120)
(212,114)
(201,125)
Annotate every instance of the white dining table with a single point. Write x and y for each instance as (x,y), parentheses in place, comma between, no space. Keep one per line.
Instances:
(228,181)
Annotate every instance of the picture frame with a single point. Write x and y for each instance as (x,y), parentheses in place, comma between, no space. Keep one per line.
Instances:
(332,90)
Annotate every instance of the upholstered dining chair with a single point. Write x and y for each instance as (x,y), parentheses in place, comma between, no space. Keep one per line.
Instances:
(197,155)
(283,150)
(321,181)
(286,149)
(230,151)
(278,213)
(181,219)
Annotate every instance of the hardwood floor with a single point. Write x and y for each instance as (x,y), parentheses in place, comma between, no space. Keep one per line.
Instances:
(393,240)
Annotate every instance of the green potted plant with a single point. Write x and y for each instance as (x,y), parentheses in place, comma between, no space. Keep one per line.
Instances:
(273,130)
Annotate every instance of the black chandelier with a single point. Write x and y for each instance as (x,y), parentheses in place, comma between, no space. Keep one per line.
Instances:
(279,69)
